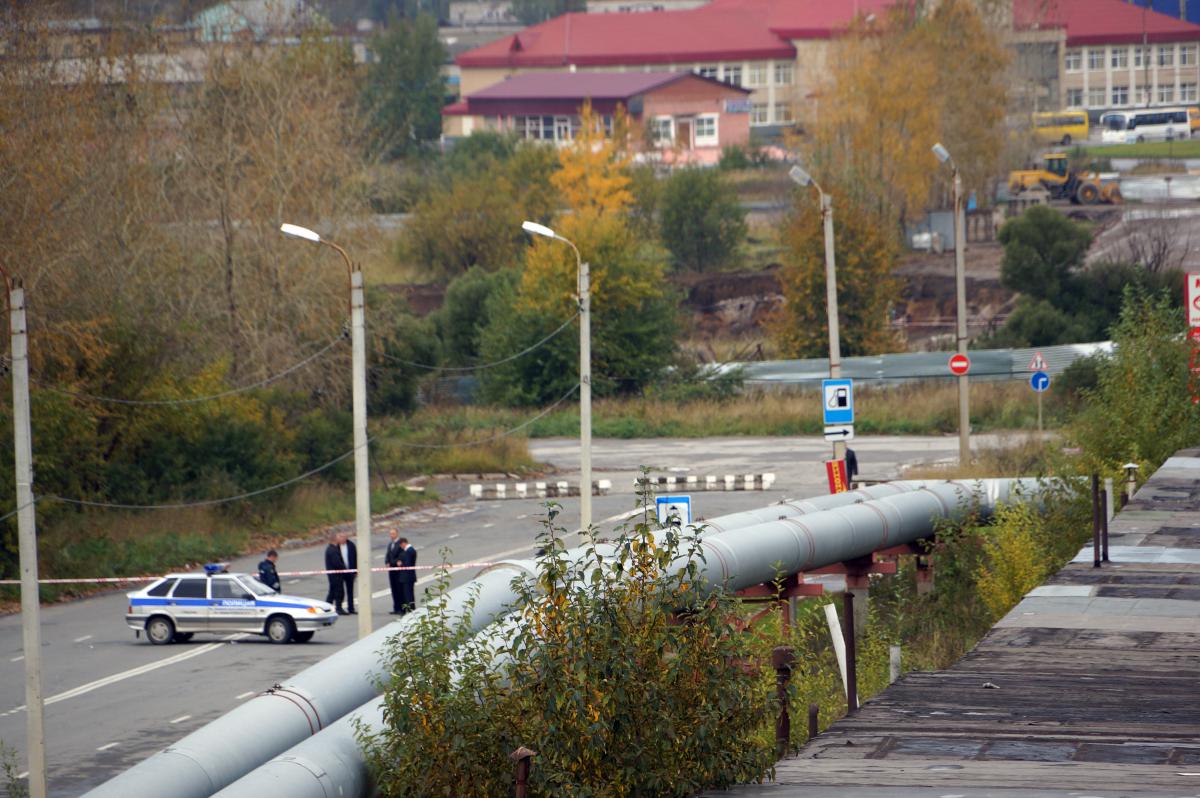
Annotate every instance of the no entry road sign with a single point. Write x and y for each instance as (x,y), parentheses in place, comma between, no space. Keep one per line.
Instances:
(960,364)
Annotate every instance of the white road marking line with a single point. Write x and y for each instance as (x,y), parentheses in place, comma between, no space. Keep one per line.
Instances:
(17,659)
(452,537)
(182,718)
(106,746)
(138,671)
(81,639)
(23,774)
(292,581)
(245,695)
(488,526)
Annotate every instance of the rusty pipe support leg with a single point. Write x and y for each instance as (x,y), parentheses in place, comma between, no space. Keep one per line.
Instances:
(814,718)
(1104,525)
(521,761)
(1095,520)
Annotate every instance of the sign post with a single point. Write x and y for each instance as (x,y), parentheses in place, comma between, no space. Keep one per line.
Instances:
(673,510)
(1039,381)
(837,408)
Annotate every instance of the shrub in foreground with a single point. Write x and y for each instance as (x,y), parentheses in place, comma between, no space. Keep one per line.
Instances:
(624,677)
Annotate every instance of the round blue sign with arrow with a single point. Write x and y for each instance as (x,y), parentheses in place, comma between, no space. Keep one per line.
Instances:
(1039,381)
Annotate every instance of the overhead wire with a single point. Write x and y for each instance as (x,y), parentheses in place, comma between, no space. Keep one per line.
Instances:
(195,399)
(496,437)
(482,366)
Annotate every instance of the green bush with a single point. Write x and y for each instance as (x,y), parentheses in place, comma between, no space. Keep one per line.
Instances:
(702,223)
(596,676)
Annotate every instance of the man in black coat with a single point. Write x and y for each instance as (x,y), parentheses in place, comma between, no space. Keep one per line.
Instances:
(408,578)
(340,555)
(267,573)
(392,559)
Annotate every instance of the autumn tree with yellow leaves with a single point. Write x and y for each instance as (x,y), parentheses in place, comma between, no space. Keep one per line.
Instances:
(633,321)
(896,85)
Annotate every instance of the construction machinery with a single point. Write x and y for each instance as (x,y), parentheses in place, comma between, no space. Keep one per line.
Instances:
(1056,176)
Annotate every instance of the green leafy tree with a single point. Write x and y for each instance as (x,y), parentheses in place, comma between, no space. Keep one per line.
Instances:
(531,12)
(401,344)
(404,89)
(865,255)
(466,311)
(1142,409)
(702,222)
(476,219)
(1062,299)
(633,318)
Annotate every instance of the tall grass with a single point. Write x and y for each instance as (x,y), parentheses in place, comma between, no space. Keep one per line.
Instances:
(914,409)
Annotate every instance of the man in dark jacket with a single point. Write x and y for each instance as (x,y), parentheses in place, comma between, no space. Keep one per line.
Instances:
(408,578)
(392,558)
(334,562)
(267,573)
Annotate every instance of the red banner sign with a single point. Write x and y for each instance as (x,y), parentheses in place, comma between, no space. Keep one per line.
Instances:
(836,471)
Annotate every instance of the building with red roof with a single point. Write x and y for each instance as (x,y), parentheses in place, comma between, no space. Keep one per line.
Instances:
(1079,53)
(687,118)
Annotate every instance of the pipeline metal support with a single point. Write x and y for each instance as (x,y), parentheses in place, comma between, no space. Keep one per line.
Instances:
(782,660)
(851,653)
(521,763)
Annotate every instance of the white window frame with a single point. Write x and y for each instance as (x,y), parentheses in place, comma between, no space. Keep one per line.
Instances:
(1120,58)
(1120,95)
(760,113)
(1166,55)
(1095,97)
(1187,55)
(784,73)
(1075,98)
(783,113)
(708,70)
(1139,57)
(757,74)
(705,139)
(1189,92)
(657,130)
(732,74)
(1073,60)
(1166,93)
(1095,59)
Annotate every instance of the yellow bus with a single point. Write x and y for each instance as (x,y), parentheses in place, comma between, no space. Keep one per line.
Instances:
(1061,127)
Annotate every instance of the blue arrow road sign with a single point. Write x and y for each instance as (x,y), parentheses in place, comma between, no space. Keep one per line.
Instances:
(837,401)
(1039,381)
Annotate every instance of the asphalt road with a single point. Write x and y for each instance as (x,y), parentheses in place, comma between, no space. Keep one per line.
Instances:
(113,700)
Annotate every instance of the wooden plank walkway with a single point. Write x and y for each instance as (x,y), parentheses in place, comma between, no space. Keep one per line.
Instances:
(1090,687)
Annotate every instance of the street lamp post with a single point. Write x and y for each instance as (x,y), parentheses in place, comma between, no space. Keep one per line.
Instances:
(960,291)
(362,476)
(585,373)
(31,630)
(831,302)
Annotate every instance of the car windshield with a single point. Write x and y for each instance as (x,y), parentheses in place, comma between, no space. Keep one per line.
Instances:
(256,587)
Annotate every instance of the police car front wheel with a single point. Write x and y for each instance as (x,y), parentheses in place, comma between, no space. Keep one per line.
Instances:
(280,629)
(160,630)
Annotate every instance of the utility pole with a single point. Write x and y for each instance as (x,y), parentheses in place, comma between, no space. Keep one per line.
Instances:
(585,397)
(31,633)
(362,476)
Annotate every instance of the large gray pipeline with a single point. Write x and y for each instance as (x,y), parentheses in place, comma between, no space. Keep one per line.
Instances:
(330,763)
(231,746)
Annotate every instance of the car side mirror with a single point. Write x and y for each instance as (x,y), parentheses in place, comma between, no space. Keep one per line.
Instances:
(248,597)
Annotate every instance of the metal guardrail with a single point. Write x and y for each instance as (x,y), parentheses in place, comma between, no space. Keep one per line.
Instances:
(986,364)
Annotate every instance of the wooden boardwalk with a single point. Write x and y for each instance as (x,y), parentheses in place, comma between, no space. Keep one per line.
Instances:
(1089,687)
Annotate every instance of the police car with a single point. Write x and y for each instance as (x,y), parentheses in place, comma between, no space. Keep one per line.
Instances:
(178,605)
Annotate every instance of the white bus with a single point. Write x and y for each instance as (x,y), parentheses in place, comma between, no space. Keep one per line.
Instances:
(1145,124)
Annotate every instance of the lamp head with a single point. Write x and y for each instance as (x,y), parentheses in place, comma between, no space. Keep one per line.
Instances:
(1130,469)
(799,175)
(538,229)
(296,231)
(941,152)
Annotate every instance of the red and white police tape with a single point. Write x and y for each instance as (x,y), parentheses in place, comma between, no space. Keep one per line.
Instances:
(119,579)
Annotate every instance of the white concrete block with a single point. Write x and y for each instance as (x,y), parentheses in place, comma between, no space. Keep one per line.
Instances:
(477,491)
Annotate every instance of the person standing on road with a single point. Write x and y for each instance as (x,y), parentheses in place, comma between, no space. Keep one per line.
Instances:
(392,559)
(334,562)
(408,578)
(267,573)
(349,553)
